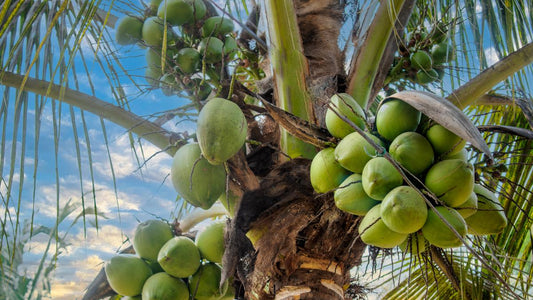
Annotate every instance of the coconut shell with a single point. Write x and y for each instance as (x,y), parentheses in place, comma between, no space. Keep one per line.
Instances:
(490,217)
(221,130)
(344,105)
(451,180)
(441,235)
(413,151)
(162,286)
(380,177)
(395,117)
(179,257)
(404,210)
(149,237)
(126,274)
(195,179)
(353,151)
(350,196)
(326,173)
(374,232)
(205,283)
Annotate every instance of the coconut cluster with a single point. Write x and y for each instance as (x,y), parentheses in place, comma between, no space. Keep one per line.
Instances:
(368,183)
(183,43)
(423,56)
(168,267)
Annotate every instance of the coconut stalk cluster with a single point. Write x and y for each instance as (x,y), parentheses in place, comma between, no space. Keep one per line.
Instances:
(186,48)
(368,168)
(169,267)
(423,55)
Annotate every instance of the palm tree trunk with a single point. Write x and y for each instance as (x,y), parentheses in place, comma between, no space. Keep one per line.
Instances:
(304,247)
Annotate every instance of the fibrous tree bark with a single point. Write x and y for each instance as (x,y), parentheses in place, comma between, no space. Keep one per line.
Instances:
(306,246)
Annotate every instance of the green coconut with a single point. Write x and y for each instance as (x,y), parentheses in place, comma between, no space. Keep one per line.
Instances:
(162,286)
(444,141)
(205,283)
(427,76)
(179,257)
(154,266)
(421,60)
(413,151)
(469,207)
(168,84)
(199,182)
(326,173)
(149,237)
(153,58)
(490,217)
(126,274)
(176,12)
(350,196)
(200,88)
(414,244)
(210,241)
(199,8)
(211,48)
(344,105)
(229,200)
(152,76)
(217,26)
(395,117)
(138,297)
(129,30)
(152,31)
(373,230)
(451,180)
(221,130)
(462,155)
(189,60)
(230,46)
(441,235)
(380,177)
(354,151)
(442,53)
(404,210)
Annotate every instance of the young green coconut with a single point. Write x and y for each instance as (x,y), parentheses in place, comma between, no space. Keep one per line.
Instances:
(162,286)
(373,230)
(126,274)
(149,237)
(179,257)
(221,130)
(326,173)
(199,182)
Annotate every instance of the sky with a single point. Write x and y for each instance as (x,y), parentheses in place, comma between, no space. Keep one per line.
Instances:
(141,192)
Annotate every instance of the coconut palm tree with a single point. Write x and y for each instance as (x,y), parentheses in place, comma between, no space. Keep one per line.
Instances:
(303,245)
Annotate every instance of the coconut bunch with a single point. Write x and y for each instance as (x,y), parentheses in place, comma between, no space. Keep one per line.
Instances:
(422,58)
(444,204)
(183,43)
(168,267)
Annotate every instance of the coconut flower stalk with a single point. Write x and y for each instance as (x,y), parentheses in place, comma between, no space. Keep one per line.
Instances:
(365,64)
(290,70)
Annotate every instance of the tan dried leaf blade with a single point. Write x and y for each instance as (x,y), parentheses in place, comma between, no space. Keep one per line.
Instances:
(446,114)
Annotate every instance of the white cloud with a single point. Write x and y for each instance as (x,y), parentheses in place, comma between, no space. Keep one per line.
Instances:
(106,200)
(155,169)
(491,55)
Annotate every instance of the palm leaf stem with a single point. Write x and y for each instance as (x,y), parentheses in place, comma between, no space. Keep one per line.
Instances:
(290,70)
(468,93)
(149,131)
